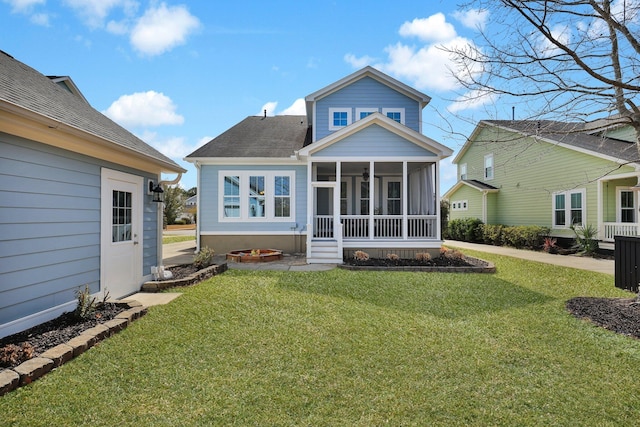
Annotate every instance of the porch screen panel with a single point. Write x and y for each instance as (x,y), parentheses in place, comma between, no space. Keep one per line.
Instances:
(364,198)
(421,192)
(231,197)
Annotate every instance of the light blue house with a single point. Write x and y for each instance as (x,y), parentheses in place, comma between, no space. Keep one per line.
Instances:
(76,199)
(354,173)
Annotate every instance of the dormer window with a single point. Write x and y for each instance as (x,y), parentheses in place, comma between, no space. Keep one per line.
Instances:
(361,113)
(396,114)
(339,118)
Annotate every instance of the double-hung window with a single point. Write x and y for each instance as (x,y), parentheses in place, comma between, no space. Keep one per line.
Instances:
(569,208)
(396,114)
(256,195)
(488,166)
(626,205)
(339,118)
(463,171)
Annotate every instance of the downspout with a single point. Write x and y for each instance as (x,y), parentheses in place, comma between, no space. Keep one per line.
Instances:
(484,206)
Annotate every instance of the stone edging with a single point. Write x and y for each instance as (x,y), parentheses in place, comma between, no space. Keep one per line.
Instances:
(32,369)
(489,267)
(196,277)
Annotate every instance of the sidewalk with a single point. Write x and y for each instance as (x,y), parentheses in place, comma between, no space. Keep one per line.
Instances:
(583,263)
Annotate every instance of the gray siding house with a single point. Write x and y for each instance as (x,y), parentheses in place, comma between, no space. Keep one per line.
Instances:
(76,203)
(354,173)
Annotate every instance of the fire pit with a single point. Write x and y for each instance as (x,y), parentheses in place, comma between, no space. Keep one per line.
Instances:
(254,255)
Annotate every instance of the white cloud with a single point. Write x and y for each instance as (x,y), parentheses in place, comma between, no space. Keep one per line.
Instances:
(40,19)
(298,108)
(175,147)
(473,18)
(117,27)
(561,33)
(162,28)
(144,109)
(23,6)
(358,62)
(435,28)
(472,100)
(269,107)
(94,12)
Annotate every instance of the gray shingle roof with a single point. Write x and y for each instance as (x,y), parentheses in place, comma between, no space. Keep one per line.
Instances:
(479,185)
(577,135)
(28,89)
(259,136)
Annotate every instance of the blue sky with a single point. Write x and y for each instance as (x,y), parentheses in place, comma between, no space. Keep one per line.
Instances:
(178,74)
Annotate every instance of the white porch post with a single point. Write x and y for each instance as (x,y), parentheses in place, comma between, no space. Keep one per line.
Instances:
(310,202)
(372,199)
(405,203)
(599,211)
(436,181)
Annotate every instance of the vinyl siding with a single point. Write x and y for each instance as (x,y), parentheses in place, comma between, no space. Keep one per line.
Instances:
(209,197)
(528,172)
(373,141)
(50,226)
(365,93)
(474,203)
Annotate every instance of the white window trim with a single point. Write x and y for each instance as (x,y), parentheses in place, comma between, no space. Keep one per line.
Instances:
(619,190)
(269,176)
(385,193)
(567,207)
(395,110)
(463,171)
(364,110)
(340,110)
(459,205)
(493,167)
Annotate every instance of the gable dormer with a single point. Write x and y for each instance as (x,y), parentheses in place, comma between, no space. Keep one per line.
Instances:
(354,97)
(68,85)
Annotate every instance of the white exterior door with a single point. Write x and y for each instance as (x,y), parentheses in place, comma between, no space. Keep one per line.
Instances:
(121,237)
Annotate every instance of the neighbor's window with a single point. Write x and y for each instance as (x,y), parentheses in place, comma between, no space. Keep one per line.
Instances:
(459,205)
(627,206)
(256,195)
(488,166)
(569,208)
(339,118)
(361,113)
(463,171)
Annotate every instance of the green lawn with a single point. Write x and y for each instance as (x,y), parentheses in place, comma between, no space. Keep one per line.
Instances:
(176,239)
(354,349)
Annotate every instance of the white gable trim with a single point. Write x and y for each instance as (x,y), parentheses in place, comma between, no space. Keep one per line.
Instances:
(459,184)
(410,135)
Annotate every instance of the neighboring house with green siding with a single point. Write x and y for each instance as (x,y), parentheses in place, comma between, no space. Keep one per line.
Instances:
(551,174)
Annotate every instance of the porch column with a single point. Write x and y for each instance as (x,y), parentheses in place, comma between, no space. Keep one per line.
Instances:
(372,199)
(405,202)
(436,185)
(337,224)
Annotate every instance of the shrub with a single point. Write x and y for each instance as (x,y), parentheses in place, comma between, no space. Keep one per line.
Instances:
(550,245)
(393,257)
(13,354)
(465,229)
(204,258)
(586,238)
(86,303)
(492,234)
(423,256)
(361,255)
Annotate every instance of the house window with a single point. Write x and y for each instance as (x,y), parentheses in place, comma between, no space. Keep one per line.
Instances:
(282,197)
(361,113)
(396,114)
(394,198)
(627,206)
(122,217)
(459,205)
(364,198)
(569,208)
(463,171)
(256,195)
(339,118)
(488,166)
(231,198)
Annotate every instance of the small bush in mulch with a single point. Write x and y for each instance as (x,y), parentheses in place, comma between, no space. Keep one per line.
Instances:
(17,348)
(447,258)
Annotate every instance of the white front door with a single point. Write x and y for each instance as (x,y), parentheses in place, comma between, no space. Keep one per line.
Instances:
(121,237)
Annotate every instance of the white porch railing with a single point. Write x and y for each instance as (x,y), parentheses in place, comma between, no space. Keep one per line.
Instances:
(323,227)
(612,229)
(384,227)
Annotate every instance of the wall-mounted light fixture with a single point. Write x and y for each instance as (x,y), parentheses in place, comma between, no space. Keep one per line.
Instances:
(365,174)
(157,192)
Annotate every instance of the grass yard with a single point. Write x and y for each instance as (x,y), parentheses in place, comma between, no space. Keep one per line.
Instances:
(176,239)
(354,349)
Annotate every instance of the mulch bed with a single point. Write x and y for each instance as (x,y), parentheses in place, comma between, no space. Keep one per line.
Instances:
(620,315)
(441,261)
(40,338)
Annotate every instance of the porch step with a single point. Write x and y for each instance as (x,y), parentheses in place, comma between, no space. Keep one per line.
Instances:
(324,252)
